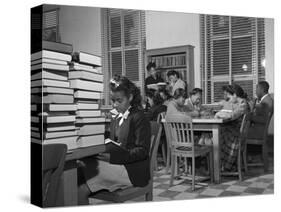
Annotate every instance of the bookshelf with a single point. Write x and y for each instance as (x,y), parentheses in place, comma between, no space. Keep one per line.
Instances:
(178,58)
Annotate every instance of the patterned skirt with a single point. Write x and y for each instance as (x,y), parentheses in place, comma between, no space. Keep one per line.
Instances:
(230,146)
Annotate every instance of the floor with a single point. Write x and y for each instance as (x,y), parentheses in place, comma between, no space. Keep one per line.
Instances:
(256,182)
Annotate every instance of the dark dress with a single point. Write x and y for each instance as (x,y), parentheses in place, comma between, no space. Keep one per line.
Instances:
(154,111)
(129,163)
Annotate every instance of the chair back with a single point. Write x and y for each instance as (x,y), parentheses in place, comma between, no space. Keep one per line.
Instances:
(181,131)
(156,130)
(244,128)
(269,116)
(53,165)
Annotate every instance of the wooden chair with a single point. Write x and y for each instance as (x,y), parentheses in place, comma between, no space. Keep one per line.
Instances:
(130,193)
(168,140)
(53,165)
(182,145)
(164,151)
(241,149)
(261,142)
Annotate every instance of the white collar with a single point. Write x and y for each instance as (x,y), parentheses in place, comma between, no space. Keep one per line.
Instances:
(263,97)
(123,116)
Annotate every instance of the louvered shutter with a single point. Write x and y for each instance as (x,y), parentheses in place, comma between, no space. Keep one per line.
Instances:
(232,50)
(50,25)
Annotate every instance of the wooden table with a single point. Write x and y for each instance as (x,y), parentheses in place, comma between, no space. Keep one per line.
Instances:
(70,178)
(212,125)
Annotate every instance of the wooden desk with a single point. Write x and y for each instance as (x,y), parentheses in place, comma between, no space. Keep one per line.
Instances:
(212,125)
(70,178)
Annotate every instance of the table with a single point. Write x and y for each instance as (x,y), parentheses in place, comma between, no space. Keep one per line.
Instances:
(70,178)
(212,125)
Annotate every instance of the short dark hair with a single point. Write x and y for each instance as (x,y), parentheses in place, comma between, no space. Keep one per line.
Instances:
(179,93)
(264,85)
(150,65)
(173,73)
(165,92)
(195,91)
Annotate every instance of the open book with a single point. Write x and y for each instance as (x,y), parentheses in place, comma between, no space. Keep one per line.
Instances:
(108,141)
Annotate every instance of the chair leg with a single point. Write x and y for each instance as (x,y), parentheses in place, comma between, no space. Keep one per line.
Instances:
(245,159)
(173,164)
(149,196)
(164,153)
(265,156)
(168,159)
(211,166)
(239,162)
(193,173)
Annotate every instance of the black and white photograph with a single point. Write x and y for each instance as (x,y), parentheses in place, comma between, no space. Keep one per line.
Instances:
(131,105)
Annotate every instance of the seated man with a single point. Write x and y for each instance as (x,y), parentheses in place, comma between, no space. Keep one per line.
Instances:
(194,101)
(262,108)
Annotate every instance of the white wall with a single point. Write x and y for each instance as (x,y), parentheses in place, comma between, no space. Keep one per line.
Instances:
(81,27)
(166,29)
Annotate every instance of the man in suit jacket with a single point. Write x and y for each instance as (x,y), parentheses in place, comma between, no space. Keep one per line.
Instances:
(262,111)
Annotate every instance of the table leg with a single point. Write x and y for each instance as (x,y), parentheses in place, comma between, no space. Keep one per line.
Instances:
(70,187)
(216,153)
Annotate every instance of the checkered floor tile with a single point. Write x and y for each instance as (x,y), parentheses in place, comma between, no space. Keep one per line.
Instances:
(254,183)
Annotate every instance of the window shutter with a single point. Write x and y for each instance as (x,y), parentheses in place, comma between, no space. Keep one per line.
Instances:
(131,29)
(132,64)
(232,50)
(116,63)
(50,25)
(115,30)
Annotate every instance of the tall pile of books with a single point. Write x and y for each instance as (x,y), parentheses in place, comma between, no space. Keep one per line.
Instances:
(53,112)
(86,79)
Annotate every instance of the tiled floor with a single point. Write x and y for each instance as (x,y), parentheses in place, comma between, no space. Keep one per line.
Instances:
(254,183)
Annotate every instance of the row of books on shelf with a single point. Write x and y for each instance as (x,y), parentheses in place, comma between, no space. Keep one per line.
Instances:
(169,60)
(65,92)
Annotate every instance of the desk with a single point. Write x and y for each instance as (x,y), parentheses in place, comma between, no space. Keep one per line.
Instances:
(213,125)
(70,179)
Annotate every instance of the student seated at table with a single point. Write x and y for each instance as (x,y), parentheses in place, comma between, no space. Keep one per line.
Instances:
(176,105)
(175,81)
(156,105)
(261,109)
(127,164)
(165,96)
(233,110)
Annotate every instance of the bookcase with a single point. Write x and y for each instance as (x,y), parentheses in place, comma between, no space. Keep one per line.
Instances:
(178,58)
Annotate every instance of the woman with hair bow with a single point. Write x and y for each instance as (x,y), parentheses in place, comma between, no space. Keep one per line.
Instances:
(127,160)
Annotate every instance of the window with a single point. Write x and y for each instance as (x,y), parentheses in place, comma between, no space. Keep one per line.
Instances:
(123,45)
(51,25)
(232,50)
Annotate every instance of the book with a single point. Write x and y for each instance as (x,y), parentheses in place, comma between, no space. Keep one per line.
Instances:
(48,74)
(57,47)
(47,60)
(54,90)
(87,106)
(92,140)
(51,55)
(108,140)
(83,57)
(50,66)
(52,98)
(33,107)
(48,135)
(91,129)
(61,107)
(49,82)
(60,128)
(90,120)
(85,75)
(86,95)
(71,141)
(82,67)
(86,85)
(53,119)
(88,113)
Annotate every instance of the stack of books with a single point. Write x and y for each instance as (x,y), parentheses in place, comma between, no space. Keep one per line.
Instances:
(53,112)
(86,79)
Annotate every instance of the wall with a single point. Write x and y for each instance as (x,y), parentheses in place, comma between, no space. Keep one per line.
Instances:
(166,29)
(80,26)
